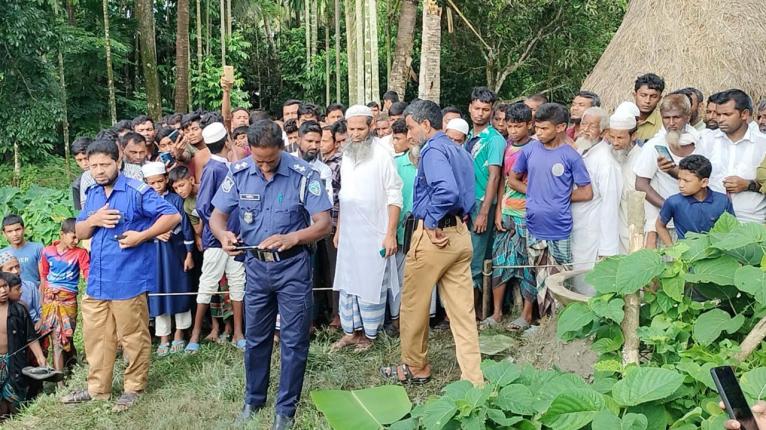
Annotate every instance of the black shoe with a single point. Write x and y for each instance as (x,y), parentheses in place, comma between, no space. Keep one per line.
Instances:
(248,413)
(282,422)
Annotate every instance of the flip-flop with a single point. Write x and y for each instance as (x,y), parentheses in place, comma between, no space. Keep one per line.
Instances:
(519,324)
(391,374)
(43,373)
(125,402)
(191,347)
(177,346)
(163,350)
(79,396)
(490,322)
(223,338)
(241,344)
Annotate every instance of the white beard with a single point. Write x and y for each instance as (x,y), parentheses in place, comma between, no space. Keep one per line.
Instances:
(672,139)
(583,144)
(621,155)
(358,151)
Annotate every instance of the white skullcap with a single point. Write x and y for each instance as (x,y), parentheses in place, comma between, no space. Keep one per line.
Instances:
(627,108)
(458,124)
(622,121)
(153,168)
(358,110)
(687,139)
(213,133)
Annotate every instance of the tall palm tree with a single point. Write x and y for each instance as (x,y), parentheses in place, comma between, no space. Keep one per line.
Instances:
(400,70)
(182,56)
(337,50)
(198,36)
(430,52)
(372,86)
(109,71)
(145,16)
(351,47)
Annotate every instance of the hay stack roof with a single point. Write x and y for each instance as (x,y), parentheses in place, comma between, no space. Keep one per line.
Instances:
(711,45)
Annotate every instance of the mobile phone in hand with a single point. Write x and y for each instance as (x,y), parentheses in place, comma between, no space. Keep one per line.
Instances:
(733,399)
(173,136)
(664,152)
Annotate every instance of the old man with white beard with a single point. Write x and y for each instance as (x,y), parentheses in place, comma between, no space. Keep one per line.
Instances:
(621,138)
(370,203)
(595,231)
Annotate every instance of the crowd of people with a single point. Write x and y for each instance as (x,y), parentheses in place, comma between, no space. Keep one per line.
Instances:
(374,218)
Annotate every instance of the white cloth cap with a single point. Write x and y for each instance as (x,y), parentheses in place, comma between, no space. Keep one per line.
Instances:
(622,121)
(358,110)
(213,133)
(627,108)
(458,124)
(153,168)
(687,139)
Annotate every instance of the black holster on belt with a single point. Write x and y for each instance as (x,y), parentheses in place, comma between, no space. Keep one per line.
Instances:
(410,224)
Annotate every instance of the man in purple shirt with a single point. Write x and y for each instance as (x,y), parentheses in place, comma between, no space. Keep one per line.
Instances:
(440,251)
(553,168)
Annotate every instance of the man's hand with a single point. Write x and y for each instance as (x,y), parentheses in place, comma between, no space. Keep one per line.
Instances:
(336,238)
(437,237)
(666,165)
(105,217)
(38,325)
(499,223)
(180,146)
(198,243)
(229,242)
(759,412)
(164,236)
(131,239)
(226,84)
(188,262)
(480,223)
(279,242)
(735,184)
(389,244)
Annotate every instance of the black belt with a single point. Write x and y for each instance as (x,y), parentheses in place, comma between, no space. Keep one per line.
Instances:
(274,256)
(449,221)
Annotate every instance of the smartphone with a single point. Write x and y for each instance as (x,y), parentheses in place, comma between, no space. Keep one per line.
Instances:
(228,73)
(733,398)
(173,136)
(664,152)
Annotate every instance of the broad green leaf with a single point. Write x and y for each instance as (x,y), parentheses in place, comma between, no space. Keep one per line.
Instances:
(689,420)
(613,309)
(753,383)
(457,390)
(500,373)
(573,410)
(611,366)
(699,372)
(742,235)
(709,325)
(608,339)
(644,384)
(749,254)
(603,384)
(499,417)
(608,420)
(406,424)
(474,398)
(562,383)
(436,414)
(752,280)
(367,408)
(656,415)
(634,422)
(626,274)
(494,344)
(699,248)
(719,271)
(573,318)
(516,398)
(674,287)
(726,223)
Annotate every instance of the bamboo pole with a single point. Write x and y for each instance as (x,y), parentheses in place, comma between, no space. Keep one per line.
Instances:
(633,301)
(486,296)
(223,33)
(337,51)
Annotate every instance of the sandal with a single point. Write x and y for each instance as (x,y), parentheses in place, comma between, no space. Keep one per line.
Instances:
(519,324)
(391,374)
(177,346)
(223,338)
(125,402)
(490,322)
(240,344)
(43,373)
(163,350)
(191,348)
(79,396)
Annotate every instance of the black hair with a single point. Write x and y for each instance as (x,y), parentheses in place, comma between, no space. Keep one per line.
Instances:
(237,109)
(334,107)
(80,145)
(689,91)
(12,219)
(162,133)
(338,128)
(257,115)
(698,165)
(391,96)
(451,109)
(684,92)
(265,133)
(173,118)
(190,118)
(242,129)
(553,112)
(107,134)
(518,112)
(538,97)
(307,109)
(291,126)
(178,173)
(422,110)
(131,136)
(4,277)
(715,97)
(140,120)
(373,105)
(399,127)
(217,146)
(12,279)
(397,108)
(651,81)
(106,147)
(742,101)
(208,118)
(595,100)
(67,226)
(291,102)
(123,125)
(309,127)
(483,94)
(499,108)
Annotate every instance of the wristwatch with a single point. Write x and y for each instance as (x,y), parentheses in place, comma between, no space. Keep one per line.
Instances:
(754,186)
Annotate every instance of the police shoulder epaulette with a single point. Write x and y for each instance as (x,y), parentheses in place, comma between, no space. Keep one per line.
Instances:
(301,167)
(239,166)
(137,185)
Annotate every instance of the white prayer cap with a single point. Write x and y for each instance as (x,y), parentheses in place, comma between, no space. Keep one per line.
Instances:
(458,124)
(622,121)
(153,168)
(358,110)
(687,139)
(213,133)
(628,108)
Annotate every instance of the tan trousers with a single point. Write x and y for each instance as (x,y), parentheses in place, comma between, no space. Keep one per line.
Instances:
(448,267)
(104,321)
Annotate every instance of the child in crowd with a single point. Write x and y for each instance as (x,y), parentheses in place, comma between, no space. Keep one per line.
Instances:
(696,208)
(30,292)
(174,259)
(79,151)
(28,253)
(61,266)
(16,326)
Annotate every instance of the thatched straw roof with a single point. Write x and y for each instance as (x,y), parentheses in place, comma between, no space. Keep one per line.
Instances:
(709,44)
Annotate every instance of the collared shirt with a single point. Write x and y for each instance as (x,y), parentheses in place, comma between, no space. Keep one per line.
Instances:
(130,170)
(213,175)
(690,214)
(407,172)
(487,149)
(647,129)
(62,270)
(333,162)
(445,183)
(116,273)
(271,206)
(740,158)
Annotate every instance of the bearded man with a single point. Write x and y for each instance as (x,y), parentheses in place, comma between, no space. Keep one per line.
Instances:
(621,138)
(310,138)
(370,202)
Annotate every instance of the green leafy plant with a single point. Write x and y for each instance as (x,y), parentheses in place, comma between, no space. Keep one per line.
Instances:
(42,209)
(371,408)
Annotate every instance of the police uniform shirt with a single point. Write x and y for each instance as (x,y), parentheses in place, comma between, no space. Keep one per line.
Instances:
(269,207)
(116,273)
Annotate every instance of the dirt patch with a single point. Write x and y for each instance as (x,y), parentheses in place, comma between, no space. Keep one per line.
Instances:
(544,350)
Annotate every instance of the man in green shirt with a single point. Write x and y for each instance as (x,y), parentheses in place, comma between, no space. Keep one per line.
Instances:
(486,146)
(647,93)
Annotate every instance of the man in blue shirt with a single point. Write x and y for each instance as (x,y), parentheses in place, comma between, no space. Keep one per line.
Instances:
(122,217)
(283,207)
(440,250)
(28,253)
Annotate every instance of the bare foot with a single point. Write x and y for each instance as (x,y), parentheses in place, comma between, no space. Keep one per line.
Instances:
(346,340)
(212,337)
(335,323)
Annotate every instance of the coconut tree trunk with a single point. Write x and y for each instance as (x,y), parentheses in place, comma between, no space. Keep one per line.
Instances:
(109,71)
(430,52)
(145,15)
(327,70)
(388,41)
(307,29)
(65,115)
(373,78)
(400,70)
(228,19)
(223,33)
(350,6)
(182,56)
(207,27)
(198,36)
(336,18)
(314,26)
(360,47)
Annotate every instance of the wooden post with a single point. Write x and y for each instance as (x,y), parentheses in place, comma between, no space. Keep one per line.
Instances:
(633,301)
(486,296)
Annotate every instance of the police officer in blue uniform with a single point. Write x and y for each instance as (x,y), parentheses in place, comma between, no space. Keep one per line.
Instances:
(283,208)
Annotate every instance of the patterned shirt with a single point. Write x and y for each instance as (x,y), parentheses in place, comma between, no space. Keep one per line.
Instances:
(63,270)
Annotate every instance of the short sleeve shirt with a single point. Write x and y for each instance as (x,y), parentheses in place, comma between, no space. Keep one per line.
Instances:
(487,151)
(691,215)
(407,172)
(29,256)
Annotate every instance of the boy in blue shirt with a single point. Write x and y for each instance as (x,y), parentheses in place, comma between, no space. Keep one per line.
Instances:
(28,253)
(697,208)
